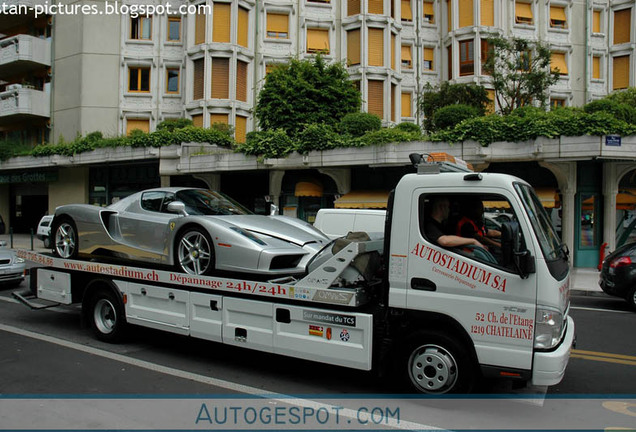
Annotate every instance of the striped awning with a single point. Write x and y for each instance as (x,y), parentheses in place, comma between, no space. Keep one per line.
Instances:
(363,200)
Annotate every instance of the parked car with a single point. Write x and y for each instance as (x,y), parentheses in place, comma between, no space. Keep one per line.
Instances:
(618,274)
(11,266)
(3,228)
(336,223)
(195,231)
(44,230)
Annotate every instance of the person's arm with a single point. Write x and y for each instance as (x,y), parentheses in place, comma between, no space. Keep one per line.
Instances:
(451,241)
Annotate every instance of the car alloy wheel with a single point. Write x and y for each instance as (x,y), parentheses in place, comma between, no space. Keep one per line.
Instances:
(195,253)
(66,240)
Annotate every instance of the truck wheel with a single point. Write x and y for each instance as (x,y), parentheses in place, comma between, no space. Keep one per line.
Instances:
(195,252)
(436,363)
(107,316)
(65,238)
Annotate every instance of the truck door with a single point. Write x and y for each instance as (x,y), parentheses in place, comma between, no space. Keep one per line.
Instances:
(491,301)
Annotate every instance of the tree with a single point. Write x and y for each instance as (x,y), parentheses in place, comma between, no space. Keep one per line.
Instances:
(306,92)
(432,99)
(520,72)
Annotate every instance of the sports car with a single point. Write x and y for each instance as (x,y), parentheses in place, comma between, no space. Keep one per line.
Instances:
(196,231)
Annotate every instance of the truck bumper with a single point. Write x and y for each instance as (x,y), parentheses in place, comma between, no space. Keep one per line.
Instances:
(549,367)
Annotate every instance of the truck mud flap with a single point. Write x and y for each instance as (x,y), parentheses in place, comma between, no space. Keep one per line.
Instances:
(27,298)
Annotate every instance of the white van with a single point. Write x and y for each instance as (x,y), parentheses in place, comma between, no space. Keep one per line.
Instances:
(338,222)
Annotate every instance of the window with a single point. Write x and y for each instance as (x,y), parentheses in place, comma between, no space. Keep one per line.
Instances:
(558,62)
(449,10)
(198,79)
(376,47)
(557,103)
(596,21)
(241,81)
(620,78)
(141,28)
(487,17)
(197,120)
(139,79)
(220,78)
(449,58)
(407,12)
(406,58)
(151,201)
(429,54)
(172,80)
(221,23)
(240,129)
(218,119)
(557,17)
(596,67)
(622,25)
(277,26)
(353,7)
(242,28)
(376,7)
(523,13)
(137,124)
(485,52)
(466,14)
(466,58)
(353,47)
(406,104)
(429,12)
(392,53)
(394,98)
(174,29)
(375,98)
(199,29)
(317,40)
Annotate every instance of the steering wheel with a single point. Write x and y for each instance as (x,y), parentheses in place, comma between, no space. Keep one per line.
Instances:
(480,253)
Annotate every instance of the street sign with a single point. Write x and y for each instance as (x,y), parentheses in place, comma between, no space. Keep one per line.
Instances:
(613,140)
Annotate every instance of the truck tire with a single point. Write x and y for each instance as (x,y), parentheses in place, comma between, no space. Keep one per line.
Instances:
(436,363)
(106,316)
(194,252)
(65,238)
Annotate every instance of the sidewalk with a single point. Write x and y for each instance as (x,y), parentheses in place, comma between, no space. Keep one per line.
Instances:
(584,281)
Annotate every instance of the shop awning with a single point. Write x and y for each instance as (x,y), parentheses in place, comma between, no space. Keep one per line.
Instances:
(626,199)
(548,197)
(363,199)
(308,189)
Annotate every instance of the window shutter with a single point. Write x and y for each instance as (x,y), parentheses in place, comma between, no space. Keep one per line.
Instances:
(523,13)
(277,26)
(353,47)
(220,78)
(622,24)
(197,120)
(243,22)
(218,118)
(199,29)
(406,58)
(596,21)
(621,72)
(376,7)
(406,104)
(240,129)
(558,61)
(488,13)
(317,40)
(241,81)
(429,55)
(392,51)
(466,15)
(353,7)
(407,12)
(557,17)
(490,108)
(596,67)
(221,23)
(375,98)
(393,101)
(429,12)
(449,8)
(133,124)
(198,79)
(376,47)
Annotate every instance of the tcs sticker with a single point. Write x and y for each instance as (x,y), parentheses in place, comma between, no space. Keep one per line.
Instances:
(345,335)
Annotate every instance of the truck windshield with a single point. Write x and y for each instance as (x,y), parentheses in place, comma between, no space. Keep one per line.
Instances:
(541,224)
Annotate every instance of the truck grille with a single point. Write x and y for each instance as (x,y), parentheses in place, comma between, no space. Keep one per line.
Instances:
(5,261)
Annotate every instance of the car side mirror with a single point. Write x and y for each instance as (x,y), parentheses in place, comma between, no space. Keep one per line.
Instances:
(177,207)
(513,254)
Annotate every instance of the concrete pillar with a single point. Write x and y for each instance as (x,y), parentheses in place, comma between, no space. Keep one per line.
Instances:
(165,181)
(276,186)
(71,188)
(212,180)
(565,173)
(341,176)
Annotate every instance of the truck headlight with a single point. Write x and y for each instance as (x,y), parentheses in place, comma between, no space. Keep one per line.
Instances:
(549,326)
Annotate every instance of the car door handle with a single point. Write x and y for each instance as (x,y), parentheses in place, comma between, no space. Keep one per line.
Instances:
(423,284)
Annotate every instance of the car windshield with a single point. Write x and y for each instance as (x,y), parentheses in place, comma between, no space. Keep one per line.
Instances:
(541,224)
(209,203)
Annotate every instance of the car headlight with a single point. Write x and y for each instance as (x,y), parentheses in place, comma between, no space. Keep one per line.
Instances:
(549,326)
(18,260)
(249,235)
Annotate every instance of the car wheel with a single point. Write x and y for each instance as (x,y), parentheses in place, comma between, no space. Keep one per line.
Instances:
(631,298)
(195,252)
(47,242)
(106,315)
(435,363)
(66,239)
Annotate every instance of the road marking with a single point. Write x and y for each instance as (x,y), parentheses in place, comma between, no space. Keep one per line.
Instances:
(600,310)
(228,385)
(604,357)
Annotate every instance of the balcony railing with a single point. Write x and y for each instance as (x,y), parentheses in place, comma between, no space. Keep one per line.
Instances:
(22,54)
(19,104)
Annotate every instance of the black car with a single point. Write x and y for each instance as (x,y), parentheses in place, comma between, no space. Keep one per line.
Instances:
(2,227)
(618,275)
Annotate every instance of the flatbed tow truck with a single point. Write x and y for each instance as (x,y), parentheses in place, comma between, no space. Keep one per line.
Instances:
(394,303)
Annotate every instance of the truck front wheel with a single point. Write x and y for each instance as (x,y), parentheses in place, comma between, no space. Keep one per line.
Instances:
(106,316)
(435,363)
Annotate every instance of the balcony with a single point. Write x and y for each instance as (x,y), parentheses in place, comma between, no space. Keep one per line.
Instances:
(24,104)
(22,54)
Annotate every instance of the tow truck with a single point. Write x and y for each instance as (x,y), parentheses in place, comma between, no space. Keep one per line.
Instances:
(395,303)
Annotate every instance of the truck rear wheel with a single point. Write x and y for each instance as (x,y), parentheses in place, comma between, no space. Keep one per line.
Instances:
(435,363)
(106,315)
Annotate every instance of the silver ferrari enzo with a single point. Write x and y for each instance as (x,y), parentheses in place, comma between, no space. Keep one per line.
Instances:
(196,231)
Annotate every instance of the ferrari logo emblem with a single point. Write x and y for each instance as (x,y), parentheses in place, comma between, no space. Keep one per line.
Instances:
(172,224)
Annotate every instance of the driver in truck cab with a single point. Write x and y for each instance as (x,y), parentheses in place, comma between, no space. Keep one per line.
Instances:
(435,230)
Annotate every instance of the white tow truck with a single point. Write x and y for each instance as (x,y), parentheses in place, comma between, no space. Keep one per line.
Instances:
(437,318)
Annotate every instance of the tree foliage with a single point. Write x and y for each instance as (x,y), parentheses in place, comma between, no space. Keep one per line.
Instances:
(357,124)
(306,92)
(434,98)
(452,115)
(520,72)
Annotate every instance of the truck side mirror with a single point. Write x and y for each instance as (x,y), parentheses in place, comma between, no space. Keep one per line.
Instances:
(511,249)
(177,207)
